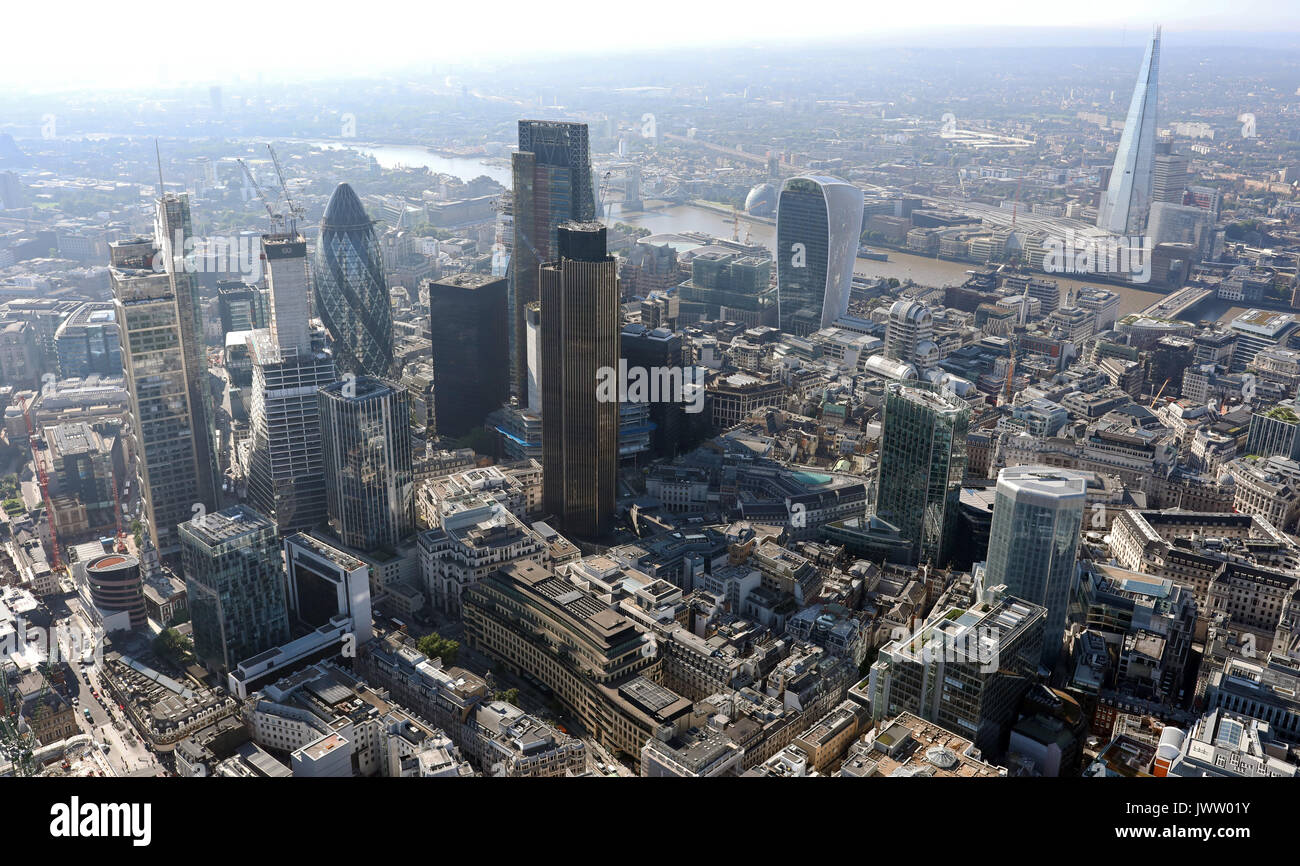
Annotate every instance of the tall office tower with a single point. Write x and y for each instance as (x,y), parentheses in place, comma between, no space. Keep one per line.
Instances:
(552,184)
(366,428)
(467,318)
(234,577)
(286,472)
(818,227)
(909,334)
(351,289)
(922,461)
(173,231)
(1034,540)
(580,307)
(1172,175)
(1124,207)
(170,461)
(533,326)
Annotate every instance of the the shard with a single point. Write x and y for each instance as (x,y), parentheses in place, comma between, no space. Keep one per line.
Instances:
(1127,202)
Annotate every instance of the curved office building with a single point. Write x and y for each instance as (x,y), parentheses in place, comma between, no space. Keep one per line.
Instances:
(115,585)
(818,226)
(351,291)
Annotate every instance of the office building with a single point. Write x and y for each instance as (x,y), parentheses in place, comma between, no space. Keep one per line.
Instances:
(1275,431)
(580,648)
(323,582)
(818,228)
(234,574)
(552,184)
(366,431)
(115,585)
(1034,541)
(84,464)
(965,669)
(286,471)
(580,336)
(909,335)
(1125,204)
(351,289)
(174,469)
(87,342)
(922,462)
(469,332)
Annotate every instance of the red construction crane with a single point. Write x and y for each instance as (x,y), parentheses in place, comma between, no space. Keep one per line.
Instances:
(56,564)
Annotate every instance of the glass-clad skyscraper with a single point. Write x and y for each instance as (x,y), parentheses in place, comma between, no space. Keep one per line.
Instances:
(369,483)
(579,337)
(922,461)
(552,184)
(1034,538)
(351,290)
(818,226)
(1127,202)
(234,575)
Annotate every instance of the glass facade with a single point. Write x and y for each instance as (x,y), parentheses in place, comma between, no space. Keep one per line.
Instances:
(1034,539)
(351,289)
(369,481)
(234,575)
(922,462)
(552,184)
(818,226)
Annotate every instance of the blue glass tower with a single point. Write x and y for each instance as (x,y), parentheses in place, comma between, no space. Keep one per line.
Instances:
(351,291)
(1127,201)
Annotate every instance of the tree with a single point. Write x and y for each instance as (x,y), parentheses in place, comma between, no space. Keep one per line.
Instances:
(174,647)
(510,696)
(435,646)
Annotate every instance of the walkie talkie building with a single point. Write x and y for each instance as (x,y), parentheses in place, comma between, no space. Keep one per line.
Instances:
(818,226)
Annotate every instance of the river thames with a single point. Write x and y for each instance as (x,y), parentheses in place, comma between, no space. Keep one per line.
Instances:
(676,219)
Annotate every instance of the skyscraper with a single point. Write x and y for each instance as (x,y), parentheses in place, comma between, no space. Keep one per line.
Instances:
(1034,539)
(351,289)
(552,184)
(286,474)
(468,329)
(922,461)
(168,448)
(580,335)
(234,576)
(1124,207)
(366,429)
(173,232)
(818,227)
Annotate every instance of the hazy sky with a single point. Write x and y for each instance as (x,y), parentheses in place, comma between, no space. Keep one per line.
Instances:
(99,43)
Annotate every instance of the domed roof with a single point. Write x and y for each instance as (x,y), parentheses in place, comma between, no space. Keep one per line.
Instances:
(344,210)
(912,311)
(761,200)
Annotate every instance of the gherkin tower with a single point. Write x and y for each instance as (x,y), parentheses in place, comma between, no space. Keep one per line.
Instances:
(350,289)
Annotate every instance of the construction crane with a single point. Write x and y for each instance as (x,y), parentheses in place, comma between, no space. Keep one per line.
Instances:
(296,212)
(1011,370)
(277,219)
(1156,398)
(56,564)
(117,516)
